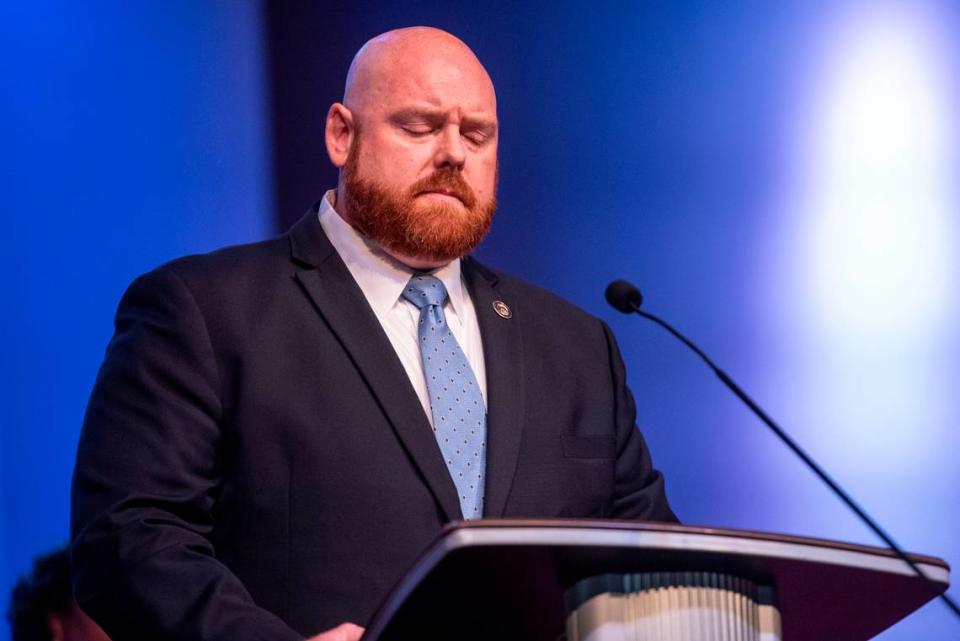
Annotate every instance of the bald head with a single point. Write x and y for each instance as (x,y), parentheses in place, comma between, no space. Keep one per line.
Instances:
(410,57)
(416,141)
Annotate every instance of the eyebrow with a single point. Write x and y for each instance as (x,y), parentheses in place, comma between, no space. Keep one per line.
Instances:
(433,116)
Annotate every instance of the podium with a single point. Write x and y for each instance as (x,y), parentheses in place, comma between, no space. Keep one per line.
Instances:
(501,579)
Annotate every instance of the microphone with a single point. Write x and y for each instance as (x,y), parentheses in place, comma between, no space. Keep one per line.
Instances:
(625,297)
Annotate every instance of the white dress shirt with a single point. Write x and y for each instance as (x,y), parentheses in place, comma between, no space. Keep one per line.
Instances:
(382,278)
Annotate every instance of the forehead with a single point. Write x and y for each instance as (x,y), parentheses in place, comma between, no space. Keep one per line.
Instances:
(435,81)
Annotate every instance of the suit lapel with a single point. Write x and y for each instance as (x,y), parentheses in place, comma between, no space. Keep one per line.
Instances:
(341,303)
(503,359)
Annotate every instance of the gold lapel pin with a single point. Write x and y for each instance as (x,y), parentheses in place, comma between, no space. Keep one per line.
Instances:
(502,309)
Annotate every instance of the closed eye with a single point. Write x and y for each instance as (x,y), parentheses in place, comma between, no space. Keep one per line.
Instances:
(477,137)
(418,129)
(478,132)
(416,123)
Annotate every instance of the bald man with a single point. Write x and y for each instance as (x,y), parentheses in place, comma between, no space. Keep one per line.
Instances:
(279,429)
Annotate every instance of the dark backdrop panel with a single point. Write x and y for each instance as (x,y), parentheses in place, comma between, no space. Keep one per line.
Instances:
(311,46)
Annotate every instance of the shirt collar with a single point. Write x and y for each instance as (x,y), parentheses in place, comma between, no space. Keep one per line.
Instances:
(380,276)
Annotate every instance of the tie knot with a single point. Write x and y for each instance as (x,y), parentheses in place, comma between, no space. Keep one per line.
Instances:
(424,289)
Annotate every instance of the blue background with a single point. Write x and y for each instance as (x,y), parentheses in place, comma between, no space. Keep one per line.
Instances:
(779,180)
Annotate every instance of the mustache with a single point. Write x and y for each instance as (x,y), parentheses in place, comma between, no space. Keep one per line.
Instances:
(448,180)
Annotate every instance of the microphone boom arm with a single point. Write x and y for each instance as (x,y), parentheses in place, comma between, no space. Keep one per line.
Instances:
(629,300)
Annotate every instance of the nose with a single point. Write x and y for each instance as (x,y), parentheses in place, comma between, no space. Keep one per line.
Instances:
(450,151)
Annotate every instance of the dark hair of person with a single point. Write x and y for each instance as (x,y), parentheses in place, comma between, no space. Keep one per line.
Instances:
(46,589)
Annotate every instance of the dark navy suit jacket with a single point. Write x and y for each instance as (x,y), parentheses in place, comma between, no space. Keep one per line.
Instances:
(254,463)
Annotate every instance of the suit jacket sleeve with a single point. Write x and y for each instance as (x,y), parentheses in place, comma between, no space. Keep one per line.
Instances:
(149,466)
(638,487)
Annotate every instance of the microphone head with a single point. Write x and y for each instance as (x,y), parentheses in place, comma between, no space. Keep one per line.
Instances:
(624,297)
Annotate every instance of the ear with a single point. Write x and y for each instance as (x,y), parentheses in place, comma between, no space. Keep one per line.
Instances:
(55,625)
(339,134)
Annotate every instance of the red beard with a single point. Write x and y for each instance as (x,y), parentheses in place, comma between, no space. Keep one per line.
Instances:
(404,226)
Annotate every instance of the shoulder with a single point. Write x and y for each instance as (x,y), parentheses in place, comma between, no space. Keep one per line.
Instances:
(230,283)
(559,341)
(230,264)
(533,300)
(236,268)
(546,319)
(250,266)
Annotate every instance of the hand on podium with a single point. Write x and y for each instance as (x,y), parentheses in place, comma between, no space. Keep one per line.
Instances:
(343,632)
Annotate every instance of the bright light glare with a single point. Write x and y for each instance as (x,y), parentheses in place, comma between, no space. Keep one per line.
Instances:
(871,263)
(881,238)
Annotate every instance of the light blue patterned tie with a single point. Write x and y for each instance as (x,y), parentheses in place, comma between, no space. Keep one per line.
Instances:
(459,415)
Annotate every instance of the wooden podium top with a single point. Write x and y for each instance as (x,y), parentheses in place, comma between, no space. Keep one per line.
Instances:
(504,579)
